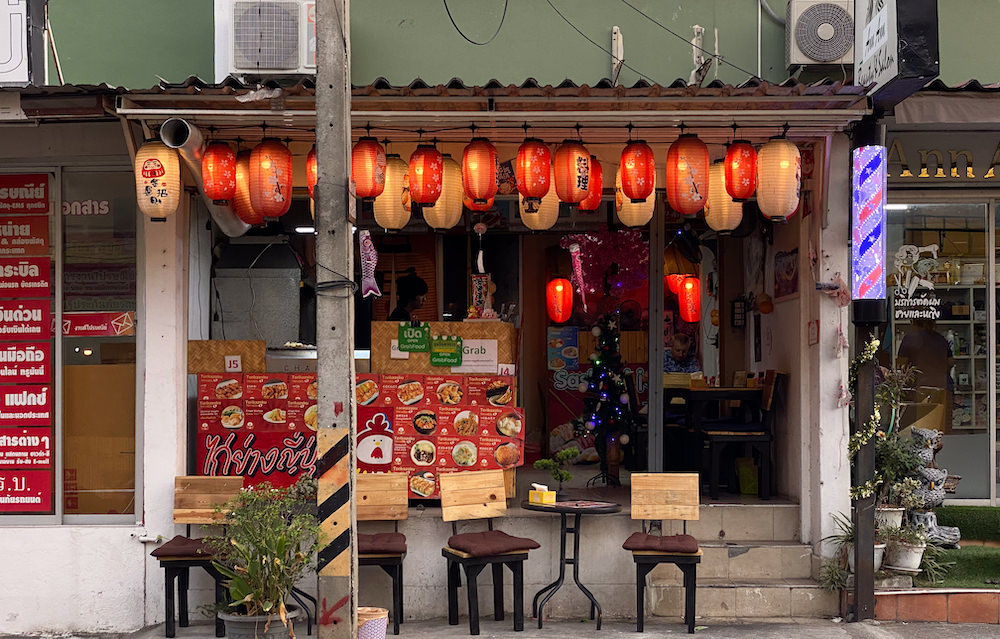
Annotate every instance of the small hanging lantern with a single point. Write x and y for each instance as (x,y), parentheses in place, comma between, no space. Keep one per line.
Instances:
(687,175)
(638,171)
(595,189)
(392,208)
(312,171)
(632,213)
(479,208)
(157,180)
(674,282)
(533,174)
(541,216)
(426,175)
(559,300)
(572,172)
(722,213)
(218,173)
(779,175)
(271,178)
(741,170)
(368,168)
(241,200)
(689,299)
(447,211)
(479,170)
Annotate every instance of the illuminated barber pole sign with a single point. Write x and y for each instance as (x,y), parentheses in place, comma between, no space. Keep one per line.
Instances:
(868,223)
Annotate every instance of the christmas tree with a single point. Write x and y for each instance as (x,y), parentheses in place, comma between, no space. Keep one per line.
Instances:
(606,413)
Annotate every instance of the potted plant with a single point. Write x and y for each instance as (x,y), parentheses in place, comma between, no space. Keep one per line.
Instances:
(844,539)
(906,546)
(267,543)
(896,457)
(555,465)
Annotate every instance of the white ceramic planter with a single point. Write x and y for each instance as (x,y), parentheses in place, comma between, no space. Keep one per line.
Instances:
(879,551)
(904,556)
(886,516)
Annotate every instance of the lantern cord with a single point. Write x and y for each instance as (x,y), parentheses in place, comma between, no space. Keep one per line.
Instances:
(525,127)
(784,130)
(629,131)
(467,39)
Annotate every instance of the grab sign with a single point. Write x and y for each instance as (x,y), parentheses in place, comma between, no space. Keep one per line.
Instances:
(414,339)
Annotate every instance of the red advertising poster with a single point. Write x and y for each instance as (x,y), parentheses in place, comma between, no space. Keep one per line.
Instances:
(400,390)
(457,453)
(25,491)
(444,390)
(303,386)
(25,405)
(24,193)
(374,439)
(25,277)
(25,235)
(278,458)
(500,452)
(301,413)
(25,362)
(25,447)
(220,386)
(98,324)
(25,319)
(265,385)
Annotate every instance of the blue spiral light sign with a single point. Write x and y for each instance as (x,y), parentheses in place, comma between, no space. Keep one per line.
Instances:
(868,223)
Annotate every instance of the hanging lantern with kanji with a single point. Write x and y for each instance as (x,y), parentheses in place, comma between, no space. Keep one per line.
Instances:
(630,212)
(271,178)
(779,177)
(368,168)
(479,170)
(157,179)
(595,190)
(392,208)
(674,282)
(447,211)
(689,299)
(218,173)
(638,171)
(426,175)
(687,175)
(241,200)
(543,215)
(559,300)
(312,171)
(722,213)
(533,173)
(572,172)
(741,170)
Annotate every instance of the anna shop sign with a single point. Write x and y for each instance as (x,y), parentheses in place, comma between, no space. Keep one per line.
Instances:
(943,159)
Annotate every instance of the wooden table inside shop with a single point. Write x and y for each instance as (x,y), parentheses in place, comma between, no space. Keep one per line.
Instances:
(697,399)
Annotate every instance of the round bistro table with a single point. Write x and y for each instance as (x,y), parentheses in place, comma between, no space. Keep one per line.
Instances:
(578,509)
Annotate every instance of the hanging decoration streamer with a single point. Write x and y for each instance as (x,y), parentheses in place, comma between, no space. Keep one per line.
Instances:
(369,260)
(574,254)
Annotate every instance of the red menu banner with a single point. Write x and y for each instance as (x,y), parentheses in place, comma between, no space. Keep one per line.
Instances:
(24,235)
(24,193)
(98,324)
(25,447)
(25,491)
(25,277)
(25,405)
(25,362)
(278,458)
(25,319)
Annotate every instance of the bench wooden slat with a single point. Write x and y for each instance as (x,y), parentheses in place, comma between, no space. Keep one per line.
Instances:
(472,495)
(196,497)
(205,484)
(381,496)
(665,496)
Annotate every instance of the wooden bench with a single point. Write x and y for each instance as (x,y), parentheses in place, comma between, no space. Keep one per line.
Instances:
(383,497)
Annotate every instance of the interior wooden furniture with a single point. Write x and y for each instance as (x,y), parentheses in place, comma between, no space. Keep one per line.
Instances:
(481,495)
(657,497)
(383,497)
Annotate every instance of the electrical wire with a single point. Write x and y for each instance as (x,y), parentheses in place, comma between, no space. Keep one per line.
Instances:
(333,285)
(469,40)
(253,294)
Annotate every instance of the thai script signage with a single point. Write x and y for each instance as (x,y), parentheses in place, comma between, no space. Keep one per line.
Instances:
(24,193)
(25,491)
(25,319)
(26,405)
(25,277)
(113,324)
(25,362)
(25,447)
(24,235)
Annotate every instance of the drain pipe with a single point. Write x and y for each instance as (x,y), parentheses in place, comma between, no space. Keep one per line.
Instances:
(187,139)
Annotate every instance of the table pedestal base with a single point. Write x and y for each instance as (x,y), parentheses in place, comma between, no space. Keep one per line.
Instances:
(551,589)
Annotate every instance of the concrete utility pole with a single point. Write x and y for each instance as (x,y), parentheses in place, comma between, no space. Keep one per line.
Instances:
(335,456)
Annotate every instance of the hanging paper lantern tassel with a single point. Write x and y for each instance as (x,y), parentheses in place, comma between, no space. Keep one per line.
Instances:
(574,254)
(369,260)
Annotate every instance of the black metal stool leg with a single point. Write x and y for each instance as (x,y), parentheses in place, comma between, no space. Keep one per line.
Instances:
(471,572)
(498,592)
(397,599)
(453,584)
(169,574)
(641,570)
(517,567)
(690,590)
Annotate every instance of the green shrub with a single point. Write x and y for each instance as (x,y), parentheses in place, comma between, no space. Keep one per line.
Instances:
(976,522)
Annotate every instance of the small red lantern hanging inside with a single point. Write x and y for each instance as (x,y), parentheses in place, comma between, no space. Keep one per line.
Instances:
(596,188)
(312,171)
(533,169)
(687,175)
(426,175)
(638,171)
(741,170)
(674,282)
(218,173)
(241,200)
(559,300)
(368,168)
(572,172)
(689,299)
(473,206)
(271,178)
(479,170)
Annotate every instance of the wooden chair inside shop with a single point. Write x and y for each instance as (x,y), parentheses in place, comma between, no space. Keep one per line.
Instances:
(657,497)
(758,433)
(383,497)
(480,495)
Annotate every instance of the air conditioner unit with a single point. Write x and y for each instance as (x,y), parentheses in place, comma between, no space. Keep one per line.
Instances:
(819,33)
(264,37)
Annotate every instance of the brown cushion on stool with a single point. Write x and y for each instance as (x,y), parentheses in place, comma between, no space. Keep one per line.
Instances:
(491,542)
(392,543)
(669,544)
(181,546)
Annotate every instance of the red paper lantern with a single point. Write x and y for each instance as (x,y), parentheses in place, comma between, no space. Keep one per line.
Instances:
(312,171)
(473,206)
(271,178)
(596,187)
(674,282)
(572,171)
(533,162)
(368,168)
(479,170)
(426,175)
(741,170)
(638,171)
(689,299)
(687,175)
(218,173)
(559,298)
(241,199)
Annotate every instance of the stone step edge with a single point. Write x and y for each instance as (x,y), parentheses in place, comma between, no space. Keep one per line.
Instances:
(716,582)
(754,543)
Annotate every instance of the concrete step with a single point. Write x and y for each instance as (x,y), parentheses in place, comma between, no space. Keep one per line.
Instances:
(745,560)
(762,521)
(758,597)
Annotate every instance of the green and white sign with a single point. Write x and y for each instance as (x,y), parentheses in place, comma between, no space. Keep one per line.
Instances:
(446,350)
(414,339)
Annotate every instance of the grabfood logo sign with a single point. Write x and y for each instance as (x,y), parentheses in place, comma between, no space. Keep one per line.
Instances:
(13,42)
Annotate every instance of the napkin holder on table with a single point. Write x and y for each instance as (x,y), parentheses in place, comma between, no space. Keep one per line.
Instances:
(541,495)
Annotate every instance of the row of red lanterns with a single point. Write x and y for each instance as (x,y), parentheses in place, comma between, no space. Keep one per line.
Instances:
(258,182)
(559,297)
